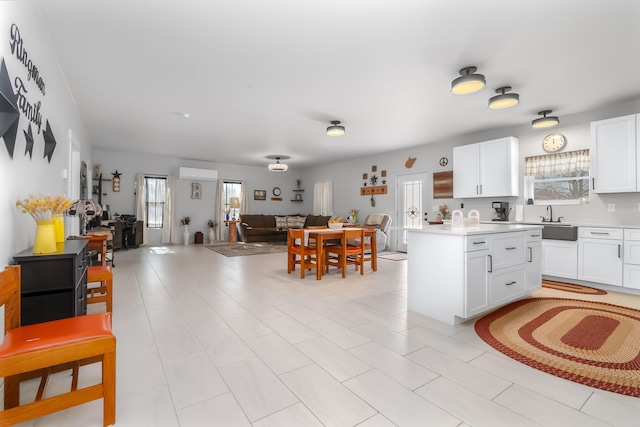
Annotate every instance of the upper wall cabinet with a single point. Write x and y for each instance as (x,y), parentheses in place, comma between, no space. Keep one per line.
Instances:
(486,169)
(615,155)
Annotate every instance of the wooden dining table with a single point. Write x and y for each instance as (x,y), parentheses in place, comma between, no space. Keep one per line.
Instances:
(323,235)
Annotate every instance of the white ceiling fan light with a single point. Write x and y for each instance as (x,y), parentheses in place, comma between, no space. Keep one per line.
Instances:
(468,82)
(335,129)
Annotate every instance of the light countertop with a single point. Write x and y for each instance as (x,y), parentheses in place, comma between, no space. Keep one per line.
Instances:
(573,223)
(468,231)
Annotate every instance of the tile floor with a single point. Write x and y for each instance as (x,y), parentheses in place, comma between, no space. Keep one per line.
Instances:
(205,340)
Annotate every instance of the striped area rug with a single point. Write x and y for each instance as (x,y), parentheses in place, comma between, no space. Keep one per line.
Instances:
(569,287)
(592,343)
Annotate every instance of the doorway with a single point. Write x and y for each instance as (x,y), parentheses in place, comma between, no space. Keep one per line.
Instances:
(415,196)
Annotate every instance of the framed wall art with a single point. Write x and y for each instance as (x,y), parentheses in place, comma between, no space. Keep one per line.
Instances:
(259,194)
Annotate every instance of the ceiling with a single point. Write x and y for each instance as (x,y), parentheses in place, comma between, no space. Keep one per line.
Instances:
(262,78)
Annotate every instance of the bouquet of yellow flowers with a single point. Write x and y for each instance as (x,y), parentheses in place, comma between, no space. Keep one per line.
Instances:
(41,209)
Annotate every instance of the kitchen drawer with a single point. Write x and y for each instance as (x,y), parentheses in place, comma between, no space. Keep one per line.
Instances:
(632,234)
(632,252)
(601,233)
(508,250)
(534,235)
(507,285)
(476,243)
(631,276)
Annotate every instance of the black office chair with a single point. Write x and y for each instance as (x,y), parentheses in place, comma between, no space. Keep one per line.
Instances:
(129,232)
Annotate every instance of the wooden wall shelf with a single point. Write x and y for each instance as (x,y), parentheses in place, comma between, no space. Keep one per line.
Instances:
(367,191)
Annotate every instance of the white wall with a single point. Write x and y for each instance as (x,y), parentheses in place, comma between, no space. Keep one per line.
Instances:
(347,175)
(200,210)
(347,178)
(23,176)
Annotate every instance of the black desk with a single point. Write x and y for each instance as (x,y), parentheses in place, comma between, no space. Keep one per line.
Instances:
(54,286)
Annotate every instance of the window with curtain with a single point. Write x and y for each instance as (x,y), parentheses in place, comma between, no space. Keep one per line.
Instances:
(232,189)
(155,191)
(561,178)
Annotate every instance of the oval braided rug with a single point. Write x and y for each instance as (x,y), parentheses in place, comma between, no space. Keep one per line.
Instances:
(591,343)
(569,287)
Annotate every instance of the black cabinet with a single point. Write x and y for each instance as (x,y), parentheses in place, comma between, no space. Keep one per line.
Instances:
(54,286)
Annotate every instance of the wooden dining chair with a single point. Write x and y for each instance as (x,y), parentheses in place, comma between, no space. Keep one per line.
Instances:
(343,255)
(39,350)
(103,292)
(299,253)
(368,252)
(100,274)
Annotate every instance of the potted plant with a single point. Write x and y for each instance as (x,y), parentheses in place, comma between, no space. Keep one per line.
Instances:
(185,221)
(212,224)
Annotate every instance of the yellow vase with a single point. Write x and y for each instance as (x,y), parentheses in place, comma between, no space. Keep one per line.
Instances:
(45,241)
(58,227)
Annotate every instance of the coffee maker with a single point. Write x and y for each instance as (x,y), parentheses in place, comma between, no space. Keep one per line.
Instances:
(502,211)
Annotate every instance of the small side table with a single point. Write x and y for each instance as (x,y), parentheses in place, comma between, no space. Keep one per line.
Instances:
(233,232)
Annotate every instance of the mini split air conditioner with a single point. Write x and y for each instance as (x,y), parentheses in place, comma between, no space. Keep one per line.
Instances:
(194,174)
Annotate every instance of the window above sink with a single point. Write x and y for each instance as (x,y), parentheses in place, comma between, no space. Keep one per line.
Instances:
(561,178)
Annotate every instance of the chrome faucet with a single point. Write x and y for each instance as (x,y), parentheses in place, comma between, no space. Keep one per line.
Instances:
(549,213)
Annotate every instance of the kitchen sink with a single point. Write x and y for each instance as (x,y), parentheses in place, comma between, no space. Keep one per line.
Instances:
(559,231)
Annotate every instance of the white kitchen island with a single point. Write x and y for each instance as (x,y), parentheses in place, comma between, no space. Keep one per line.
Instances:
(458,273)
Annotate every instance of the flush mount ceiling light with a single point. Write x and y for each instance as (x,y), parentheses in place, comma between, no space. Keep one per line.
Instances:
(335,129)
(545,121)
(468,82)
(277,166)
(504,100)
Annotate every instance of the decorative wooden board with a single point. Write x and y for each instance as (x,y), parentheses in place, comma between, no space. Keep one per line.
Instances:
(278,199)
(443,185)
(367,191)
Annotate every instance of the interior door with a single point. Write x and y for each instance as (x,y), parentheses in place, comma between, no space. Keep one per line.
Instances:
(415,196)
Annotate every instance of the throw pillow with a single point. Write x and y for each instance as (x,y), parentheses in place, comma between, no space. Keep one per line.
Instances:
(299,221)
(281,221)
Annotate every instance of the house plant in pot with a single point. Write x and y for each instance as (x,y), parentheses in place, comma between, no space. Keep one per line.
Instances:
(212,225)
(185,220)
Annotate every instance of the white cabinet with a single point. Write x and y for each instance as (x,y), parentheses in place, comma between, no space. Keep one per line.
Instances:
(534,264)
(615,155)
(495,271)
(560,259)
(631,269)
(453,276)
(600,255)
(486,169)
(476,279)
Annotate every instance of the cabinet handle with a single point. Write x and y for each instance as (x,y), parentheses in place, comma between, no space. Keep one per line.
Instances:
(480,188)
(600,233)
(511,248)
(511,283)
(477,189)
(490,263)
(535,235)
(619,251)
(479,243)
(530,254)
(593,183)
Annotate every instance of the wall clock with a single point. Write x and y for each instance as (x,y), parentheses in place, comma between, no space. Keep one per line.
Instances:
(276,191)
(553,142)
